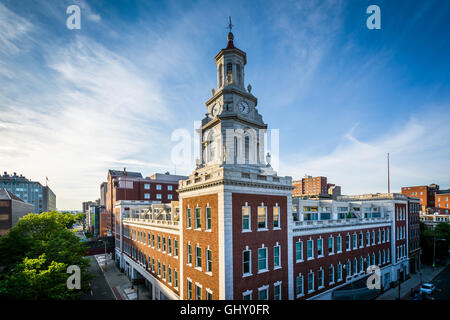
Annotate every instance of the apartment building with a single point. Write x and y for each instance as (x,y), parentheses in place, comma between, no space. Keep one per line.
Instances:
(442,201)
(314,186)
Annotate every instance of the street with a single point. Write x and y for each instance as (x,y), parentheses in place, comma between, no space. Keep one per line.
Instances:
(442,283)
(100,289)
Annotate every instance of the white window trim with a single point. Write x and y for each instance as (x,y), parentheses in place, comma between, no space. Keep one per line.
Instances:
(279,256)
(257,216)
(247,293)
(312,250)
(279,217)
(307,282)
(303,286)
(301,245)
(265,287)
(249,218)
(322,255)
(250,263)
(206,218)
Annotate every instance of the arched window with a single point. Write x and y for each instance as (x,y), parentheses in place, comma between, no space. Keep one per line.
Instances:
(220,75)
(229,72)
(247,149)
(235,149)
(238,74)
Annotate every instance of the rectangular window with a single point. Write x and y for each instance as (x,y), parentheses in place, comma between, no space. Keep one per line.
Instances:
(175,246)
(339,272)
(361,240)
(158,196)
(319,247)
(276,217)
(169,272)
(330,245)
(320,278)
(189,289)
(331,275)
(189,254)
(379,236)
(169,197)
(245,218)
(169,188)
(198,257)
(208,260)
(368,238)
(169,246)
(198,223)
(159,268)
(299,286)
(247,296)
(159,242)
(146,195)
(339,244)
(310,282)
(198,292)
(277,292)
(373,237)
(175,277)
(355,240)
(262,259)
(158,187)
(188,218)
(164,271)
(276,257)
(310,249)
(164,244)
(299,251)
(246,262)
(263,294)
(146,186)
(347,242)
(262,216)
(208,218)
(208,295)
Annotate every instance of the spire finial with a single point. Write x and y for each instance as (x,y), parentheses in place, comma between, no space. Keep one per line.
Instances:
(230,26)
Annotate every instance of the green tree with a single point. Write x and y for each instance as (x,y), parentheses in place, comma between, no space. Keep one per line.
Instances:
(37,248)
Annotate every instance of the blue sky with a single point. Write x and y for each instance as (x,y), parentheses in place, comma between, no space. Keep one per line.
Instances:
(74,103)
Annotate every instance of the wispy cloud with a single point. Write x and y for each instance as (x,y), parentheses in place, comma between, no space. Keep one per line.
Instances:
(418,147)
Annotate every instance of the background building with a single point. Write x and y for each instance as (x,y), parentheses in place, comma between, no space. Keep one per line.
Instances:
(126,185)
(426,194)
(12,208)
(103,190)
(442,201)
(314,186)
(42,197)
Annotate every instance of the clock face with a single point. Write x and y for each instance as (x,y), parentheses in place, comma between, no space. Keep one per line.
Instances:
(243,107)
(215,110)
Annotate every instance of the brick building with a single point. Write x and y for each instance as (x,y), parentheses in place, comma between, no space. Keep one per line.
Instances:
(309,186)
(237,232)
(442,201)
(426,194)
(126,185)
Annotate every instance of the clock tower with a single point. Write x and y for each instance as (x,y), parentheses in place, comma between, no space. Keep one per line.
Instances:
(232,131)
(235,209)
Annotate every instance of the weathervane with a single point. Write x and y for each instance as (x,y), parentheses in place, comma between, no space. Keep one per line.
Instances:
(230,26)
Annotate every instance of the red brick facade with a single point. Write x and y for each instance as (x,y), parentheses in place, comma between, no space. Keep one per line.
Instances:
(203,239)
(304,266)
(254,240)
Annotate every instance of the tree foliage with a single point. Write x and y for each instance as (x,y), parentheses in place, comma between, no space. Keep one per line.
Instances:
(427,242)
(35,255)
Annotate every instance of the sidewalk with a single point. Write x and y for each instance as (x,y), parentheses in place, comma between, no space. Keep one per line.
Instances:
(412,283)
(117,280)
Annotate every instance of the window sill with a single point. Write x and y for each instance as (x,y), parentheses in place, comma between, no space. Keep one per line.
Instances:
(262,271)
(276,228)
(312,258)
(300,295)
(263,229)
(209,273)
(299,261)
(198,268)
(320,288)
(320,256)
(246,230)
(198,229)
(330,253)
(208,230)
(331,283)
(247,275)
(276,268)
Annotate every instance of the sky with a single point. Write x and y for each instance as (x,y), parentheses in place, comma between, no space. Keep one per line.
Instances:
(75,103)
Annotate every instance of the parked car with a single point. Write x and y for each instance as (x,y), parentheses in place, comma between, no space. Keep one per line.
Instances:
(427,288)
